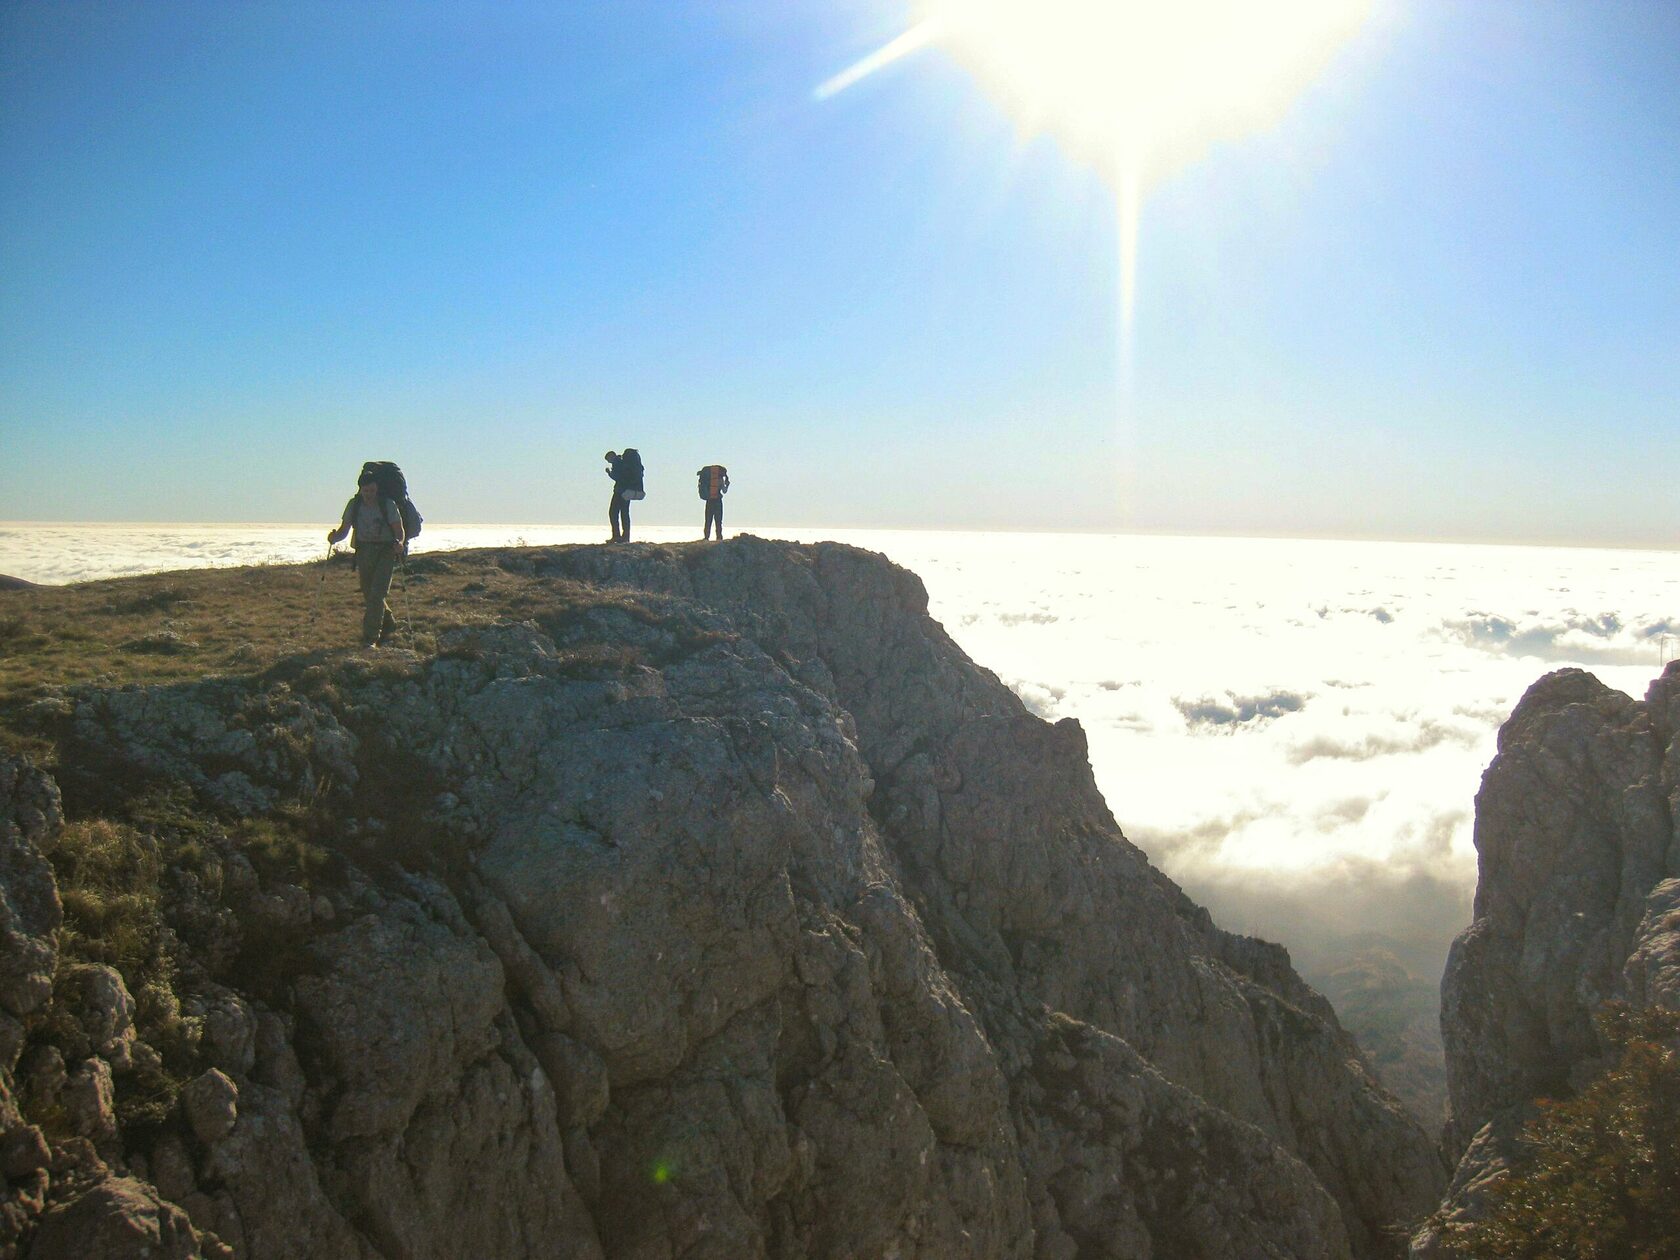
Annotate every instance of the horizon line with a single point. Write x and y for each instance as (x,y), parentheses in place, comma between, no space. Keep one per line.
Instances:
(1050,531)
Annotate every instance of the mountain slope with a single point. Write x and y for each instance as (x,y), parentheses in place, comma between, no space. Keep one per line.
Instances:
(669,901)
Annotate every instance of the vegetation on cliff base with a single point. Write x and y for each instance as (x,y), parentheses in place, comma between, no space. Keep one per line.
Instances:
(1601,1177)
(110,878)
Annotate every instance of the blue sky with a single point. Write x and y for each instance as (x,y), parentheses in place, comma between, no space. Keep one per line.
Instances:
(243,247)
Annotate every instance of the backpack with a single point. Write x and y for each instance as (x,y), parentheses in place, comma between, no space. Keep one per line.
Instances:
(706,476)
(394,486)
(630,468)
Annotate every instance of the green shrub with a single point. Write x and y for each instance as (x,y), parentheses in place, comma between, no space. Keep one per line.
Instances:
(1600,1175)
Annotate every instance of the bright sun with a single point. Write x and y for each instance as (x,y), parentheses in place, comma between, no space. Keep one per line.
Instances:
(1144,81)
(1132,83)
(1138,88)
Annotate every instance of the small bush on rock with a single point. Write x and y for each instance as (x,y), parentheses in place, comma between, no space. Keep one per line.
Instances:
(1601,1180)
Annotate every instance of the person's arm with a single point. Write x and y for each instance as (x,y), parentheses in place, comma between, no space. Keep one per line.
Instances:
(337,535)
(394,516)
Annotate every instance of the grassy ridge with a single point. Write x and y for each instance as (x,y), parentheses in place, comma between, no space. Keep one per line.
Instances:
(242,622)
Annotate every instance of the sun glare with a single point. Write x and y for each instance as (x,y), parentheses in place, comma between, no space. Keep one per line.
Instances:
(1143,83)
(1136,88)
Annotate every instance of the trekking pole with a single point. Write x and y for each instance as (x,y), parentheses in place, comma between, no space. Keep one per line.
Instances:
(407,620)
(315,601)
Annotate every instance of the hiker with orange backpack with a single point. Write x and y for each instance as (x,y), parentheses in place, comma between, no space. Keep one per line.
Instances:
(714,484)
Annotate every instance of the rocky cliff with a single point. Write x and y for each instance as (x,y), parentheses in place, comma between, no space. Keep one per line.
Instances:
(1577,903)
(671,902)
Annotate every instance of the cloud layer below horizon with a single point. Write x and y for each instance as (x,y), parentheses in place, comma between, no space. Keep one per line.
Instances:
(1294,730)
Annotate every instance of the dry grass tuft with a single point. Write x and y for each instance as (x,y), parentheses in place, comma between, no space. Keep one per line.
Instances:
(108,880)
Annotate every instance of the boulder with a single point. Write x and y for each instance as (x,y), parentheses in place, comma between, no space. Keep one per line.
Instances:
(118,1218)
(90,1101)
(211,1105)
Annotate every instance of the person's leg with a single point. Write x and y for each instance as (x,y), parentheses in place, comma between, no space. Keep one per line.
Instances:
(625,513)
(612,513)
(372,605)
(720,517)
(382,562)
(714,516)
(364,579)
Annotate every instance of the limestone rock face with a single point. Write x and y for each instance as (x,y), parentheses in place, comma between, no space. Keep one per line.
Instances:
(1576,903)
(30,914)
(1652,974)
(30,816)
(791,934)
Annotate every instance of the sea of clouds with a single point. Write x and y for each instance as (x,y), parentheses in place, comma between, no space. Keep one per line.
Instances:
(1294,730)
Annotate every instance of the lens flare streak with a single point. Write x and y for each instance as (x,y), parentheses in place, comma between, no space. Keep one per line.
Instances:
(914,39)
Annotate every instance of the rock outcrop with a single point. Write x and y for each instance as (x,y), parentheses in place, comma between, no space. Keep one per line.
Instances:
(1577,903)
(721,907)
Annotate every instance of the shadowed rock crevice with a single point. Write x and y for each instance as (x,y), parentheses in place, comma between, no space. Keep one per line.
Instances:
(700,902)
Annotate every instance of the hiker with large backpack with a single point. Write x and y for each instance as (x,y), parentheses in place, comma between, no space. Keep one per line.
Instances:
(380,520)
(714,484)
(626,473)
